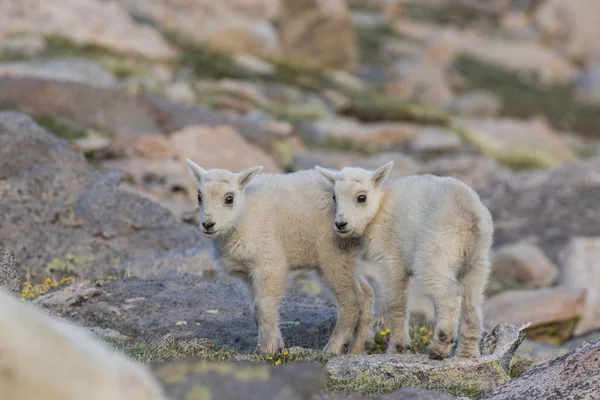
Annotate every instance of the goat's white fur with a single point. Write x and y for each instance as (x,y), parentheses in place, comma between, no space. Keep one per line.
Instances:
(278,223)
(43,358)
(433,228)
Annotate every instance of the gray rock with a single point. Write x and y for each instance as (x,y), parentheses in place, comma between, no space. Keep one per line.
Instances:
(587,84)
(475,170)
(61,216)
(9,271)
(576,375)
(402,394)
(549,206)
(461,376)
(193,379)
(68,69)
(185,306)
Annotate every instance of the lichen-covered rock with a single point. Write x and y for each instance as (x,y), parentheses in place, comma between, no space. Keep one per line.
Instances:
(191,379)
(402,394)
(456,376)
(574,376)
(10,279)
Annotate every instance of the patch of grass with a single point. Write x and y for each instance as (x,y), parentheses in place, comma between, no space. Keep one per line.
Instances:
(60,127)
(524,96)
(521,364)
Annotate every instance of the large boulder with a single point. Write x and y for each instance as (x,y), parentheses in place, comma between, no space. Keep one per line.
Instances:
(61,216)
(86,22)
(546,207)
(318,32)
(185,306)
(576,375)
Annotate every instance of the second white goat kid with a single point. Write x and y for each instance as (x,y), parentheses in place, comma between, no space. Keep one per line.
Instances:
(263,226)
(433,228)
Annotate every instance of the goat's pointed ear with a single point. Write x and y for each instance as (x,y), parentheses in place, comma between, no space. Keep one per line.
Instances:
(327,174)
(246,176)
(195,170)
(382,173)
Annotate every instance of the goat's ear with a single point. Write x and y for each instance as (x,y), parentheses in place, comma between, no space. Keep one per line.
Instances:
(382,173)
(195,170)
(246,176)
(327,174)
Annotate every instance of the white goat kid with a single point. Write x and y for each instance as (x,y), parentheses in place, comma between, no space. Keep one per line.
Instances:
(263,226)
(433,228)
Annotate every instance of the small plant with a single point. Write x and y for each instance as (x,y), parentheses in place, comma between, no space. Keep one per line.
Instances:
(420,338)
(281,358)
(30,291)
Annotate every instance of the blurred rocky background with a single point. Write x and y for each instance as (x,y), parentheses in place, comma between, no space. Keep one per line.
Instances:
(103,99)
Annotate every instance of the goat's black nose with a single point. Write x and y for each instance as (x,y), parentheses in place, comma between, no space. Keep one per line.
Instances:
(341,225)
(208,225)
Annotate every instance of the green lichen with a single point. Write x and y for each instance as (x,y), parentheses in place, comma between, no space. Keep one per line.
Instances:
(60,128)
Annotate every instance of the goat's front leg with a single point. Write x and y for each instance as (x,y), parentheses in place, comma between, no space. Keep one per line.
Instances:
(268,288)
(345,285)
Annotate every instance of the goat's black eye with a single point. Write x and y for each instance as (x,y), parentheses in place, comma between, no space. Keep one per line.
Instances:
(199,197)
(229,200)
(362,198)
(333,197)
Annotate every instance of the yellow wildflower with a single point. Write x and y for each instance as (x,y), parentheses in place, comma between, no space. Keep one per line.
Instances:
(285,353)
(277,362)
(387,330)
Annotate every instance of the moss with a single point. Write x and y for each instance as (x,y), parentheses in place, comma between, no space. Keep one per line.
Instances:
(554,333)
(370,39)
(60,128)
(524,96)
(521,364)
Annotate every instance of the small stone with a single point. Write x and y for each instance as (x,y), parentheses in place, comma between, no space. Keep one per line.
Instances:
(254,64)
(434,140)
(524,263)
(181,92)
(477,104)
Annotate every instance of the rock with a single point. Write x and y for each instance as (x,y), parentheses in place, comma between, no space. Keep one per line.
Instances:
(70,360)
(587,84)
(474,170)
(193,379)
(477,104)
(325,159)
(534,136)
(434,140)
(549,206)
(524,263)
(68,69)
(570,26)
(10,279)
(580,269)
(544,306)
(193,260)
(93,142)
(318,32)
(541,351)
(237,25)
(116,111)
(89,22)
(575,375)
(420,80)
(220,147)
(180,92)
(467,376)
(403,164)
(349,133)
(213,308)
(61,216)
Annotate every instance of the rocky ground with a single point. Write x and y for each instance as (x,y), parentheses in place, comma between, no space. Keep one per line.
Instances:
(98,210)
